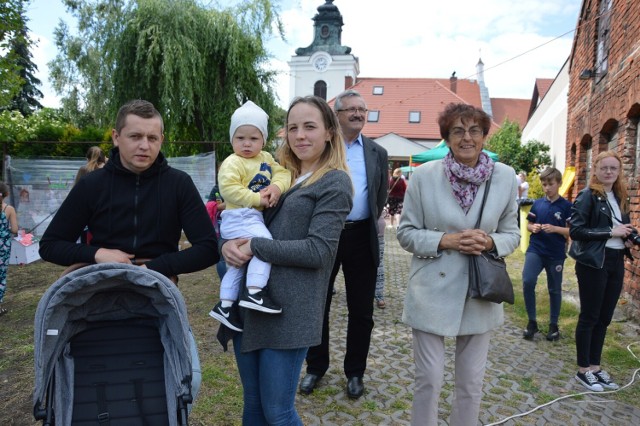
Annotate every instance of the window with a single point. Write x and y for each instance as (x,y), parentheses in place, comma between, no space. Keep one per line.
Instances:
(414,116)
(378,90)
(604,37)
(320,89)
(373,116)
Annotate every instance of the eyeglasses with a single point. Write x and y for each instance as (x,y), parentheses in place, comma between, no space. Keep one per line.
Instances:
(611,169)
(458,132)
(353,110)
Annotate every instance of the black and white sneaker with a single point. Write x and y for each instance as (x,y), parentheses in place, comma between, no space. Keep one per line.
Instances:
(228,316)
(260,302)
(605,380)
(589,381)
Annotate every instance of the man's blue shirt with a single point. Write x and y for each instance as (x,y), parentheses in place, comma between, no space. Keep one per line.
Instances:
(357,167)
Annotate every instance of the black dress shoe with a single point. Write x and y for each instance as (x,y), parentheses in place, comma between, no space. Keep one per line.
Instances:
(355,387)
(308,383)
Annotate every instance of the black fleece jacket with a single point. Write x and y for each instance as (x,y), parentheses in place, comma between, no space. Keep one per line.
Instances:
(142,214)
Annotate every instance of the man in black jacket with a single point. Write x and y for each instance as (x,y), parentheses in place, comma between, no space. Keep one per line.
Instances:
(135,207)
(358,250)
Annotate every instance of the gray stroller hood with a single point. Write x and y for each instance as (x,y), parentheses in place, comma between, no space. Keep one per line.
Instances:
(106,292)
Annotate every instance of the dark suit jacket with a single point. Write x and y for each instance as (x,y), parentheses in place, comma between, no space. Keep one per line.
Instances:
(376,162)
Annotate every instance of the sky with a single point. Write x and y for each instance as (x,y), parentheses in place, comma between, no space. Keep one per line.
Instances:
(517,41)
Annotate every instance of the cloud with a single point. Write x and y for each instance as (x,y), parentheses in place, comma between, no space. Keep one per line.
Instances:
(413,38)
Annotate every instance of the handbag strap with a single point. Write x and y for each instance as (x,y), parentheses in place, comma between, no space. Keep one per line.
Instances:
(484,198)
(394,185)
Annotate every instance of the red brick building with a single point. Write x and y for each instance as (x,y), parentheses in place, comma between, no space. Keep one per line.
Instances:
(604,103)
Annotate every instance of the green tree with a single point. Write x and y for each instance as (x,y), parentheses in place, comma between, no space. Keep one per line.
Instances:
(27,99)
(10,24)
(506,142)
(197,65)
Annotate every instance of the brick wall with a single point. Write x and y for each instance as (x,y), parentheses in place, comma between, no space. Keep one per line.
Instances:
(604,110)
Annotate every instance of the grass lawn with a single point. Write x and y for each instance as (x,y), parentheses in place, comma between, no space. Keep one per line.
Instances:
(220,398)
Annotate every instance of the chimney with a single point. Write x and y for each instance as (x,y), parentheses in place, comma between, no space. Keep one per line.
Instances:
(348,82)
(453,82)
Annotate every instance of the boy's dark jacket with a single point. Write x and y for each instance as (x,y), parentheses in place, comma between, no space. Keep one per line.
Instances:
(139,214)
(590,228)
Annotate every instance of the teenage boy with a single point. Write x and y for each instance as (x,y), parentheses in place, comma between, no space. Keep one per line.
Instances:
(547,222)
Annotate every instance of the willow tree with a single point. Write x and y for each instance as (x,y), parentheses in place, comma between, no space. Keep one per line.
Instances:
(196,64)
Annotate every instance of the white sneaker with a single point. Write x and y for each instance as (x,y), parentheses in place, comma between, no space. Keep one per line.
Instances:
(589,381)
(605,380)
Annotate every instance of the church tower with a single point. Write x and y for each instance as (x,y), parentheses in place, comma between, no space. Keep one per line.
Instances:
(324,68)
(484,91)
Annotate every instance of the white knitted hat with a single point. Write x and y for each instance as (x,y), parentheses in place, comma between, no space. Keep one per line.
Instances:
(252,115)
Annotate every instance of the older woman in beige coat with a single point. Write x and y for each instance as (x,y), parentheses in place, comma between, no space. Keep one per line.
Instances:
(441,207)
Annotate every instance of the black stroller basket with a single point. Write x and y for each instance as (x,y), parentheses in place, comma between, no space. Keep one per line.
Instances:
(112,347)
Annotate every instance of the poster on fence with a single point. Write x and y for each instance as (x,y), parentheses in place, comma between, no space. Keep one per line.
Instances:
(38,186)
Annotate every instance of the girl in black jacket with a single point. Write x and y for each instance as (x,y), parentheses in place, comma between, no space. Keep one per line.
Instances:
(599,230)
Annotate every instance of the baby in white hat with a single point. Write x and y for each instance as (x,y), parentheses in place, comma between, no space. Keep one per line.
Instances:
(250,180)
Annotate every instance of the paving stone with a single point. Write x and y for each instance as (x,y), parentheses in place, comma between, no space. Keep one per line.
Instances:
(513,365)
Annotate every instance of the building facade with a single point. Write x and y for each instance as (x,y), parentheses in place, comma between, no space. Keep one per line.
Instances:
(547,122)
(604,103)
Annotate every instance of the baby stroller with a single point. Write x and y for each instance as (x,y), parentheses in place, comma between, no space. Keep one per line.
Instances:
(112,347)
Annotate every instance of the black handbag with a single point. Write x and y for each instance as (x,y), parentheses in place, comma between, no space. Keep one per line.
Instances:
(488,277)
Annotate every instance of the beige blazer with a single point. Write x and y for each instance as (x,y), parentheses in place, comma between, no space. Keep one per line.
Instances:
(436,298)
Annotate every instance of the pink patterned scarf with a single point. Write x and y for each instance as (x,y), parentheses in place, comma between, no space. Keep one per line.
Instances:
(465,180)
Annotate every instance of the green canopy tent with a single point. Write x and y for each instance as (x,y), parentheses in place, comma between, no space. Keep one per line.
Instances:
(438,152)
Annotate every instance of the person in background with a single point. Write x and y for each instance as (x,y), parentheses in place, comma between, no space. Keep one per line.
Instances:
(379,296)
(397,188)
(548,223)
(8,228)
(441,207)
(523,188)
(305,226)
(137,207)
(599,230)
(95,160)
(358,250)
(250,181)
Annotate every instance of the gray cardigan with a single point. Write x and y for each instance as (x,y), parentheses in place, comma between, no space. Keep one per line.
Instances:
(436,298)
(306,227)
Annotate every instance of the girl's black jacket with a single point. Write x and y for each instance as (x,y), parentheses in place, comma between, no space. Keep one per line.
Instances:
(141,214)
(590,228)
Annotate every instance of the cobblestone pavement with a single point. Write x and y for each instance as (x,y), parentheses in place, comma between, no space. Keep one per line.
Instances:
(516,369)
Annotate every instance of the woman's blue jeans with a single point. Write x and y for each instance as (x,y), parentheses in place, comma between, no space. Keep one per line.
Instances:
(269,381)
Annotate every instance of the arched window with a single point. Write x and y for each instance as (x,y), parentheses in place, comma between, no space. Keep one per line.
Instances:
(320,89)
(633,135)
